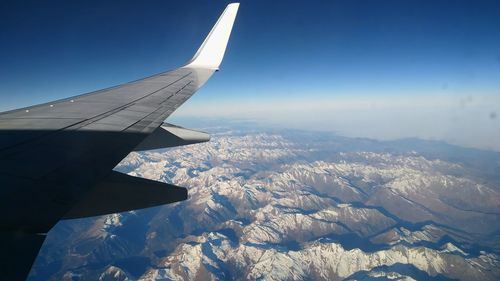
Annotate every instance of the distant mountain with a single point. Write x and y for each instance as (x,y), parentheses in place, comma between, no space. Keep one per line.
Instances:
(291,205)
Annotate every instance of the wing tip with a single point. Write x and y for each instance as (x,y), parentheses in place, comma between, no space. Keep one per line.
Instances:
(211,51)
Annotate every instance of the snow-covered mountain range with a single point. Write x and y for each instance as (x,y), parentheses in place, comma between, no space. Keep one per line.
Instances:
(295,206)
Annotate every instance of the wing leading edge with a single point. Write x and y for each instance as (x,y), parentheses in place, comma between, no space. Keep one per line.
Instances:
(57,159)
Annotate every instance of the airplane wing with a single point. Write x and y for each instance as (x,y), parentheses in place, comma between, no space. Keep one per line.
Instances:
(57,159)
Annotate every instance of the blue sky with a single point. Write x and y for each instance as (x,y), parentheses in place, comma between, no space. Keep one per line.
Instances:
(357,66)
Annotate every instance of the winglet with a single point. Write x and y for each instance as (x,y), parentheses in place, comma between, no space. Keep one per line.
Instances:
(211,52)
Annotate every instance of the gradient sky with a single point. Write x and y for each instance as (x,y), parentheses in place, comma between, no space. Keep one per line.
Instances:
(381,69)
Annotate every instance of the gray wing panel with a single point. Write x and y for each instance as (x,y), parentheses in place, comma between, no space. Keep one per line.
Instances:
(113,109)
(51,156)
(146,113)
(43,156)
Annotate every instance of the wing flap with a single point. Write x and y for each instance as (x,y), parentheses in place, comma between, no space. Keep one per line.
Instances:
(169,135)
(120,193)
